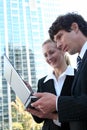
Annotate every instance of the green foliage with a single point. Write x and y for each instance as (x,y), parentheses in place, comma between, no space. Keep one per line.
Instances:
(17,126)
(22,120)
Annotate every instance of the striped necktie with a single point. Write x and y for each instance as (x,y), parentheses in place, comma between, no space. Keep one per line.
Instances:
(78,62)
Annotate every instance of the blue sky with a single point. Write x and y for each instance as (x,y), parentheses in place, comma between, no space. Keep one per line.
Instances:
(79,6)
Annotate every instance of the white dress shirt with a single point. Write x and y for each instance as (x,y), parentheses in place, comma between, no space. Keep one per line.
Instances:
(58,84)
(83,50)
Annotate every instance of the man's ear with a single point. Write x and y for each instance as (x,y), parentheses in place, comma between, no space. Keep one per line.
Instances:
(75,27)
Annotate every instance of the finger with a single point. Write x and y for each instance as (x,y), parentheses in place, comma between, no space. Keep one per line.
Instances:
(35,104)
(39,95)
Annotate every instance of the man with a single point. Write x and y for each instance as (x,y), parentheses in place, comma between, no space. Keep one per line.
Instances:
(70,34)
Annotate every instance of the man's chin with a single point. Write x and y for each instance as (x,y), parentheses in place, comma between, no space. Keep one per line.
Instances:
(71,52)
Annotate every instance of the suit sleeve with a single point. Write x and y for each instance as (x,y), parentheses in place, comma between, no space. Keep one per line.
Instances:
(39,89)
(72,108)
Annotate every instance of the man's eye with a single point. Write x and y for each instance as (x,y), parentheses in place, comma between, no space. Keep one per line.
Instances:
(59,37)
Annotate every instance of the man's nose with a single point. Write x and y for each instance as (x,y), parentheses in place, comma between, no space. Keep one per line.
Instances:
(59,45)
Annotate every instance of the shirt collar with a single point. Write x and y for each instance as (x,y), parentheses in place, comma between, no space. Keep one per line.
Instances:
(69,71)
(84,48)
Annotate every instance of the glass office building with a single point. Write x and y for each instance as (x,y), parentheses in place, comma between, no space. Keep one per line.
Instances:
(23,28)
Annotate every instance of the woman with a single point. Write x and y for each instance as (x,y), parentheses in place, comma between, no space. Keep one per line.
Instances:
(57,82)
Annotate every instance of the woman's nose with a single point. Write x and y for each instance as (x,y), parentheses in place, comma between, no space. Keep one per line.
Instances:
(49,57)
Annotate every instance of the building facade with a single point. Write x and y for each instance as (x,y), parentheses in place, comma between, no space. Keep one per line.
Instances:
(23,28)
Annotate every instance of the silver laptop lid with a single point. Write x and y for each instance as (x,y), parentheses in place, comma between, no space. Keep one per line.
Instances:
(16,82)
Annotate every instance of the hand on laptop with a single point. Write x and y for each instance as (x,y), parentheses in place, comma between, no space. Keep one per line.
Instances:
(46,102)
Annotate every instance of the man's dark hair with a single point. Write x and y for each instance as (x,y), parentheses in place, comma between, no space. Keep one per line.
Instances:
(64,22)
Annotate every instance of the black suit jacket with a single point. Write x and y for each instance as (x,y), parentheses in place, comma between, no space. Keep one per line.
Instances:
(49,87)
(74,108)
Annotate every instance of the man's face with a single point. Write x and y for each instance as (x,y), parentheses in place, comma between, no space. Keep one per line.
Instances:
(66,41)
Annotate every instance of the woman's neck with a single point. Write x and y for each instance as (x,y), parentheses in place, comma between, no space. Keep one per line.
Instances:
(58,71)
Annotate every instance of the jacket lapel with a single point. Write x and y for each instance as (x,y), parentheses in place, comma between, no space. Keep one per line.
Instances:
(79,71)
(49,86)
(66,89)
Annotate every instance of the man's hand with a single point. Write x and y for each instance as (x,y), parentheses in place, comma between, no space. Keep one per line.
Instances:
(38,113)
(46,102)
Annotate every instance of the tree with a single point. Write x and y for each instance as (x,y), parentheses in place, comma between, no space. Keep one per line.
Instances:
(22,120)
(17,126)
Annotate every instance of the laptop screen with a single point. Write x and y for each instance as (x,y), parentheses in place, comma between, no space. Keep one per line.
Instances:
(15,81)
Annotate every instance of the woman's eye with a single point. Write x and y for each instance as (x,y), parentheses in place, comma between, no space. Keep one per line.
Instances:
(51,52)
(45,56)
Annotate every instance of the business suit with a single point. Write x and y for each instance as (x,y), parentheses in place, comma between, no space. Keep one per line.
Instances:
(74,108)
(48,86)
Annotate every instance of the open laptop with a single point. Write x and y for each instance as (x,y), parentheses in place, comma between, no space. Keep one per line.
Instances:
(15,81)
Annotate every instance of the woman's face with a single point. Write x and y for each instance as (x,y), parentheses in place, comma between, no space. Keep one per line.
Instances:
(53,56)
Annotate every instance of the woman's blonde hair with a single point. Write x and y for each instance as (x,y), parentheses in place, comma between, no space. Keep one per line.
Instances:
(48,41)
(67,59)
